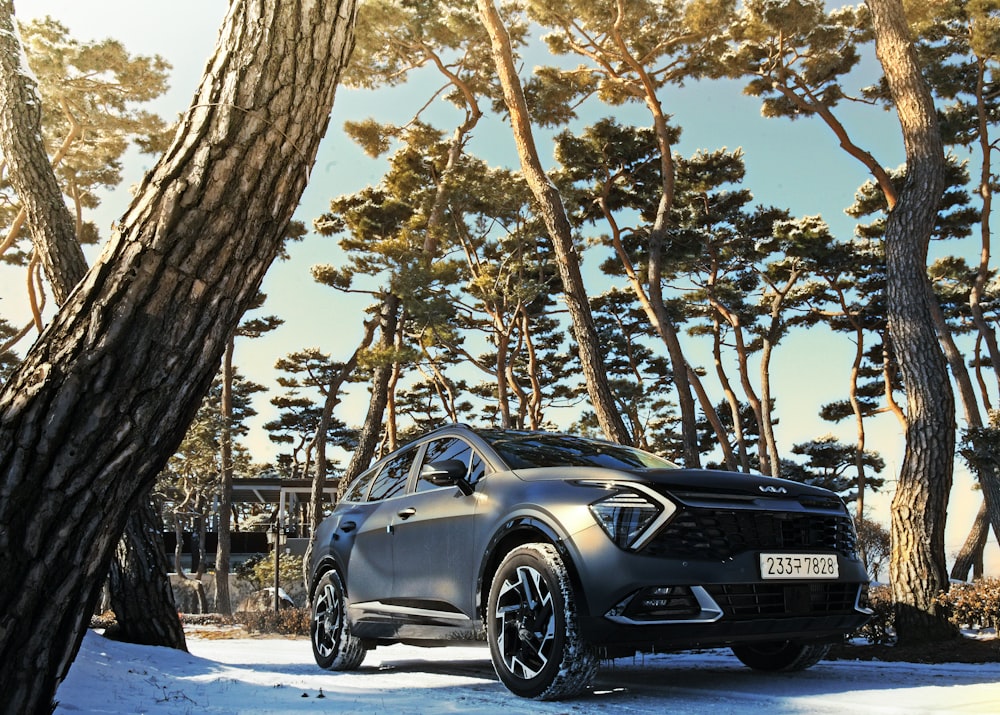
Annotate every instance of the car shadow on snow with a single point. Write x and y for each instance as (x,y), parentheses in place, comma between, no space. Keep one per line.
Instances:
(703,679)
(705,675)
(713,672)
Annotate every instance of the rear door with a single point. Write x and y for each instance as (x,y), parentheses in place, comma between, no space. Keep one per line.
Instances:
(370,568)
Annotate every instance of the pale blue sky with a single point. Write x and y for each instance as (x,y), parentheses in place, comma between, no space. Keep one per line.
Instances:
(797,165)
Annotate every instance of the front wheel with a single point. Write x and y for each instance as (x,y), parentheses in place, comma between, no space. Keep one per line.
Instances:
(334,648)
(532,627)
(781,656)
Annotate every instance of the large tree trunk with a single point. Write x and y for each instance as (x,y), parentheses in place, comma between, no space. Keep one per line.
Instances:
(144,603)
(106,394)
(919,508)
(54,237)
(553,214)
(141,596)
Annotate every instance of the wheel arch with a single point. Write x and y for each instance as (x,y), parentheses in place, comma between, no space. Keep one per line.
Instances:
(517,532)
(327,563)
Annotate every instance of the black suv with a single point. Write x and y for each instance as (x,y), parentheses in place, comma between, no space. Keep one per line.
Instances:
(566,551)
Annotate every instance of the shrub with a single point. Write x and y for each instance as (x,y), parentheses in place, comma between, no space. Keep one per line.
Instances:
(287,621)
(879,630)
(258,571)
(973,605)
(969,605)
(247,571)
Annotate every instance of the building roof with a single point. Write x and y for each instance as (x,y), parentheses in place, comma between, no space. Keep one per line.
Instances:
(269,490)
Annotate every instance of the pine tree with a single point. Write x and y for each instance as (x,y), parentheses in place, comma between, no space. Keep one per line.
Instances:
(140,594)
(917,569)
(633,50)
(135,346)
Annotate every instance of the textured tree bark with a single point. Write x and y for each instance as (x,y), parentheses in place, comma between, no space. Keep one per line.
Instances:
(141,596)
(560,232)
(28,165)
(134,596)
(105,395)
(54,236)
(917,567)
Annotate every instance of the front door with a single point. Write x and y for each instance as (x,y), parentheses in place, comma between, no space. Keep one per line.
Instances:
(434,564)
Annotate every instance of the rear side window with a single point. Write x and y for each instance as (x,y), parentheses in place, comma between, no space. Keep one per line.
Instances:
(356,492)
(391,479)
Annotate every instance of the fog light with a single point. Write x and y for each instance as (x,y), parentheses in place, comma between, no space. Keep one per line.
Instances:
(657,597)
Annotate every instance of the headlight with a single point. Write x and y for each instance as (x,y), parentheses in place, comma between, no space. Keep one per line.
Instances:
(632,515)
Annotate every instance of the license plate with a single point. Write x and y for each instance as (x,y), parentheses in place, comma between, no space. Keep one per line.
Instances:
(798,566)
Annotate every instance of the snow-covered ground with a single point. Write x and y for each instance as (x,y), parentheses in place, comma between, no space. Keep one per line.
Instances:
(274,675)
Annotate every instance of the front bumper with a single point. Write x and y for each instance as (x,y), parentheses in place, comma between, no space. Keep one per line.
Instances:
(618,640)
(641,602)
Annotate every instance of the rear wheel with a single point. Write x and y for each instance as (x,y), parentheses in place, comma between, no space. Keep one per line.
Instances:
(532,627)
(781,656)
(334,648)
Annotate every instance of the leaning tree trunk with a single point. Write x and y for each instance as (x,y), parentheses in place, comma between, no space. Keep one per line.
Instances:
(553,214)
(917,566)
(144,603)
(981,450)
(970,557)
(52,226)
(318,486)
(105,395)
(223,548)
(368,437)
(141,597)
(54,238)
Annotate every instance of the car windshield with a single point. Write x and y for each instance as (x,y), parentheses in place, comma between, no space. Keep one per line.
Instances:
(527,450)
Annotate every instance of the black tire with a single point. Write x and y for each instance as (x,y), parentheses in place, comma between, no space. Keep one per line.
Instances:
(781,656)
(334,648)
(532,627)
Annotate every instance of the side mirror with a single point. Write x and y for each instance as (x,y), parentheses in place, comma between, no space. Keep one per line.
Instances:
(446,473)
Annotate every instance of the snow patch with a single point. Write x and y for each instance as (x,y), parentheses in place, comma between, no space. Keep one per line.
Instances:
(278,675)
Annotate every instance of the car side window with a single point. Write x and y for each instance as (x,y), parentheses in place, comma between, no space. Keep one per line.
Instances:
(356,492)
(441,449)
(391,479)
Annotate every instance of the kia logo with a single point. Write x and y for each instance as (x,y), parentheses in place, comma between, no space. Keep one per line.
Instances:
(773,490)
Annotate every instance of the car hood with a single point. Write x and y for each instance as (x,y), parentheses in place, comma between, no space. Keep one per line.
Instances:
(691,486)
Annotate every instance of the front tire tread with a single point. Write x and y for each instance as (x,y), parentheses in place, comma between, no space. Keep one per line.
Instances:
(533,582)
(334,647)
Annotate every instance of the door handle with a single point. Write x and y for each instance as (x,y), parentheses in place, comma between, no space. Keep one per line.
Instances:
(348,526)
(405,514)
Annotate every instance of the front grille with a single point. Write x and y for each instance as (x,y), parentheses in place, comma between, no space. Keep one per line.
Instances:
(752,600)
(720,534)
